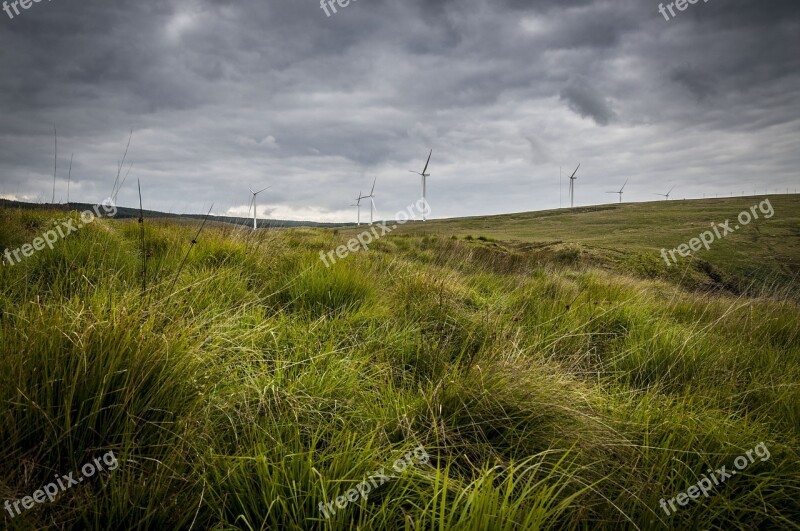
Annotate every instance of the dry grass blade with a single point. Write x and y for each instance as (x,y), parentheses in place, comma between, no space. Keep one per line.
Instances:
(144,249)
(192,244)
(69,177)
(55,164)
(117,186)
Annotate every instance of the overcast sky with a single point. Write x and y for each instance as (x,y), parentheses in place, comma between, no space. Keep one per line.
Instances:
(223,94)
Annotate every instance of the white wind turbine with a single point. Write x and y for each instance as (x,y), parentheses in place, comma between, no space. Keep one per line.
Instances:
(620,191)
(255,226)
(424,175)
(670,191)
(357,204)
(371,198)
(572,179)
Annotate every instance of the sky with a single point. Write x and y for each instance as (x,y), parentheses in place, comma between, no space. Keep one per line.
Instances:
(224,95)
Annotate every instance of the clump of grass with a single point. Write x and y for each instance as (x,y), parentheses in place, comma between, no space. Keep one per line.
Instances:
(322,291)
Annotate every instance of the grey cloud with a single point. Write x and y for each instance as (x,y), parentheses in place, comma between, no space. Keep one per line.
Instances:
(585,101)
(539,152)
(698,83)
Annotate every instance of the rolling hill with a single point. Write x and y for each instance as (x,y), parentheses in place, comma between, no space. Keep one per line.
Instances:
(531,371)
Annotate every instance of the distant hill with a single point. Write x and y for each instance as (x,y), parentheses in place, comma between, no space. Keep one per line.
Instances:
(127,213)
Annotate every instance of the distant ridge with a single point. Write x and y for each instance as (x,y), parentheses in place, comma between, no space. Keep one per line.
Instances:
(127,213)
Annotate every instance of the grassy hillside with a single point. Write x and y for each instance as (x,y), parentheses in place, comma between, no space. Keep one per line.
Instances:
(766,251)
(526,385)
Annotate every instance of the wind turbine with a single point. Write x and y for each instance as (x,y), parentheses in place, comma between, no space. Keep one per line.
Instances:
(424,175)
(254,203)
(371,197)
(572,179)
(620,191)
(357,204)
(670,191)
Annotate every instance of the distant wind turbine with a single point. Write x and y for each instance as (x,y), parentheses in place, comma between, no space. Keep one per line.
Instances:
(371,198)
(572,179)
(620,191)
(424,176)
(357,204)
(670,191)
(255,226)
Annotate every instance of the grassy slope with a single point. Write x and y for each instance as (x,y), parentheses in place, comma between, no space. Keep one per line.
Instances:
(551,388)
(763,251)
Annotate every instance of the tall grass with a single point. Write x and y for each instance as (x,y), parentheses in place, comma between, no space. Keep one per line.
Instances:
(257,383)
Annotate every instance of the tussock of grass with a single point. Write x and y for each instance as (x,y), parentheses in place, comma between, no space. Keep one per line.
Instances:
(548,392)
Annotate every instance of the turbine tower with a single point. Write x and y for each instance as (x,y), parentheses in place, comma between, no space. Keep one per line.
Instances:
(424,176)
(357,204)
(620,191)
(255,226)
(670,191)
(371,198)
(572,179)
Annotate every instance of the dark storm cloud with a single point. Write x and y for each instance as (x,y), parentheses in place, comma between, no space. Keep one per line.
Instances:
(225,94)
(697,82)
(584,100)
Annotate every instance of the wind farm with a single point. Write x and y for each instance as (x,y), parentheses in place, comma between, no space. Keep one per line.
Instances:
(582,314)
(252,207)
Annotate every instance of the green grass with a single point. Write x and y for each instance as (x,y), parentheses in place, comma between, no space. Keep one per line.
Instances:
(554,386)
(629,237)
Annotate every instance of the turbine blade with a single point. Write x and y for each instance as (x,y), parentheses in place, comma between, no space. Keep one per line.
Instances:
(576,171)
(624,185)
(429,161)
(373,186)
